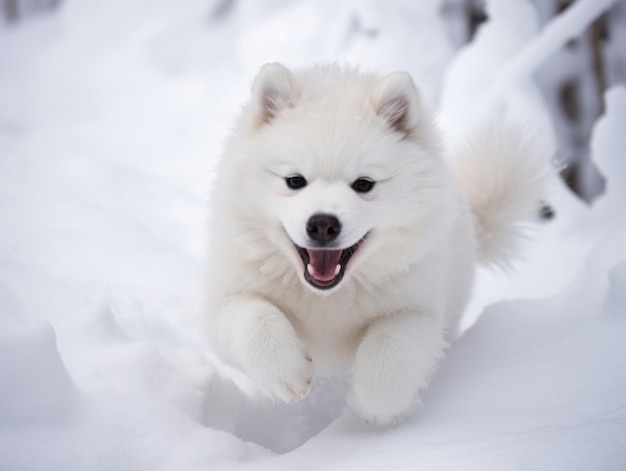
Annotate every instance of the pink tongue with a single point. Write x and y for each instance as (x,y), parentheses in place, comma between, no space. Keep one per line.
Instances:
(324,263)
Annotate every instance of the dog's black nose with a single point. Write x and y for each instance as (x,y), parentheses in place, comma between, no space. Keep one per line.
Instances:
(323,228)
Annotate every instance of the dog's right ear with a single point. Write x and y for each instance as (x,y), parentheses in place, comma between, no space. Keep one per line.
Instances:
(273,90)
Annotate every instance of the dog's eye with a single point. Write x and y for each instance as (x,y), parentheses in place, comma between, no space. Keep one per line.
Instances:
(362,185)
(295,182)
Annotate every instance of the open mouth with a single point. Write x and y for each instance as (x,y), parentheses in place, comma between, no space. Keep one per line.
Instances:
(324,268)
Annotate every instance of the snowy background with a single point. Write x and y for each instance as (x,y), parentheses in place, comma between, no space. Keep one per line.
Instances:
(112,116)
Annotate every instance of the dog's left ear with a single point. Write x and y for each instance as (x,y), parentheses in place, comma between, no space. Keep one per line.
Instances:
(397,100)
(273,90)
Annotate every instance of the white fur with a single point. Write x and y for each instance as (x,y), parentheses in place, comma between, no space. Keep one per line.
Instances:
(503,174)
(389,319)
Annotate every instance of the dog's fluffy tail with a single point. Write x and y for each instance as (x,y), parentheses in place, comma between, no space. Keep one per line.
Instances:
(505,179)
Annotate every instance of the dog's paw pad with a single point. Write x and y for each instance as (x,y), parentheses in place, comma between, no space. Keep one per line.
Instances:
(284,375)
(293,385)
(378,410)
(298,392)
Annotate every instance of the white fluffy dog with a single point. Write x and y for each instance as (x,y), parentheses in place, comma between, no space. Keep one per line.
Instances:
(344,242)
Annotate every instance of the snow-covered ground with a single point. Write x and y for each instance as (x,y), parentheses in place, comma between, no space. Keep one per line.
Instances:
(111,119)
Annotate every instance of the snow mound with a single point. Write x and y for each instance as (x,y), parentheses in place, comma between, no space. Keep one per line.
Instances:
(36,387)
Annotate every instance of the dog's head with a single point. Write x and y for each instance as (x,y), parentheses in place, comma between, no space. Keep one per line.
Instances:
(343,171)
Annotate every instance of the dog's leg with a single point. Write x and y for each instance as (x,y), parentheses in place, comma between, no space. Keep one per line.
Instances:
(394,361)
(255,336)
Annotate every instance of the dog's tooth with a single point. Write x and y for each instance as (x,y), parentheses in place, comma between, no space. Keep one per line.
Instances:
(337,269)
(309,268)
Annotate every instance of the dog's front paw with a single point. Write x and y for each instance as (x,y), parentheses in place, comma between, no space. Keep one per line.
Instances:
(379,404)
(277,361)
(384,387)
(375,407)
(395,359)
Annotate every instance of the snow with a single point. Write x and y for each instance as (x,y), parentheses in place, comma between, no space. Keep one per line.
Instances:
(111,119)
(552,38)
